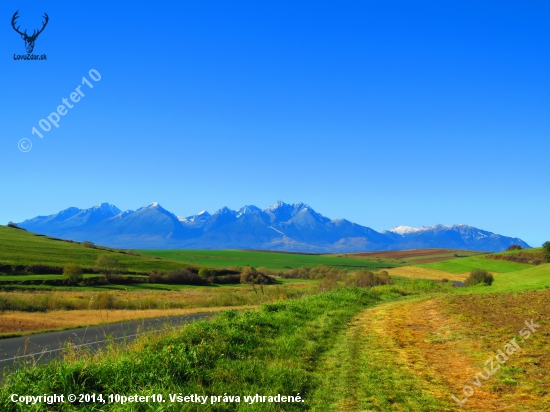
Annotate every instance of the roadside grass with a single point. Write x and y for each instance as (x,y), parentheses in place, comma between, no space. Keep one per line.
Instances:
(26,323)
(189,297)
(274,350)
(271,260)
(25,312)
(463,265)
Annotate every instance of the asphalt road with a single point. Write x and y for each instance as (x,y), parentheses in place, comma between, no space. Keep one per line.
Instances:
(47,346)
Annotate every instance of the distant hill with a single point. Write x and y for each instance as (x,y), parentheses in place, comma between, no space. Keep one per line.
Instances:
(282,226)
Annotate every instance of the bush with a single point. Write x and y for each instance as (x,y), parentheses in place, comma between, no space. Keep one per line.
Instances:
(328,283)
(89,244)
(479,276)
(39,269)
(546,252)
(365,278)
(207,274)
(73,273)
(319,272)
(177,277)
(14,226)
(514,247)
(229,279)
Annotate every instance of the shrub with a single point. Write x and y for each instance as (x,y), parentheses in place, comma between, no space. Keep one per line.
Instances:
(207,274)
(479,276)
(39,269)
(73,273)
(328,283)
(229,279)
(177,277)
(14,226)
(546,252)
(319,272)
(252,277)
(365,278)
(513,247)
(184,277)
(105,301)
(87,243)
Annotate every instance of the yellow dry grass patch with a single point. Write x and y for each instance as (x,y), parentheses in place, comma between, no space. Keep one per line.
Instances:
(435,347)
(25,322)
(424,273)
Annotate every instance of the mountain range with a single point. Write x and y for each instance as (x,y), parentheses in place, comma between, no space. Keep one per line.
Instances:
(282,226)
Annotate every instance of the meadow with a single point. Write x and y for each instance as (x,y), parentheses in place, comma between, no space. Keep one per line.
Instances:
(271,260)
(411,345)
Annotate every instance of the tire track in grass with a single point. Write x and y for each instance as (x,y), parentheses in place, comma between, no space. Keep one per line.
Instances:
(365,371)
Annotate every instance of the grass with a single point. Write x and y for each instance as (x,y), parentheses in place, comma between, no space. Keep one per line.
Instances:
(365,371)
(275,350)
(25,323)
(532,278)
(18,247)
(463,265)
(415,272)
(271,260)
(36,311)
(410,257)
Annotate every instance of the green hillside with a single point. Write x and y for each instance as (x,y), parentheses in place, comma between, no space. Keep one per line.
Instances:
(18,247)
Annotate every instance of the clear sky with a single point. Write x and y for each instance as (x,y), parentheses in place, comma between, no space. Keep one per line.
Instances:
(382,112)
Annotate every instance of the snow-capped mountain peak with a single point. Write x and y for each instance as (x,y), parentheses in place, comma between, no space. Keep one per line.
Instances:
(401,230)
(107,208)
(277,205)
(247,209)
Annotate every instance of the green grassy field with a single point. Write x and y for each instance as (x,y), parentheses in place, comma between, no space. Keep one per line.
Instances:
(531,278)
(462,265)
(271,260)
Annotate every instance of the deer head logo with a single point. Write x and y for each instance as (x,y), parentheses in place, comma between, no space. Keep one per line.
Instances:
(29,40)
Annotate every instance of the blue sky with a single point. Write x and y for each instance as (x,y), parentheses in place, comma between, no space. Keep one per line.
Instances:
(385,113)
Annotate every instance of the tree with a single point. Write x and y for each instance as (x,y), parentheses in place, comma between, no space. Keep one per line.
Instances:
(108,265)
(262,279)
(89,244)
(248,276)
(546,251)
(207,274)
(73,273)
